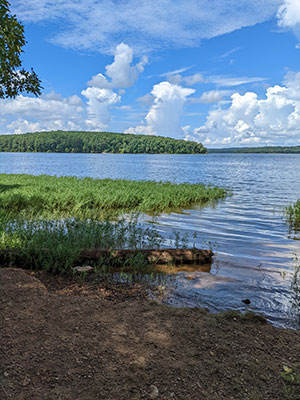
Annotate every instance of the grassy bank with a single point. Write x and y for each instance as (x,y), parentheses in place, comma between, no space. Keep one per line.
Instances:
(69,197)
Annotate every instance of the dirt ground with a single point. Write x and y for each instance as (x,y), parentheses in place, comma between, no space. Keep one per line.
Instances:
(63,340)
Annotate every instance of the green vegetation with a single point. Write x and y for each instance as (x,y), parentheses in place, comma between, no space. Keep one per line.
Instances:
(293,215)
(266,149)
(13,80)
(53,198)
(55,245)
(46,221)
(291,383)
(97,142)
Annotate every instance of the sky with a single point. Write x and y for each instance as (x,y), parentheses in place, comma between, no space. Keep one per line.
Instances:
(225,73)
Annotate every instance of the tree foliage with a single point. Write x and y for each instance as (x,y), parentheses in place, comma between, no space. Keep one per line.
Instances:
(97,142)
(12,79)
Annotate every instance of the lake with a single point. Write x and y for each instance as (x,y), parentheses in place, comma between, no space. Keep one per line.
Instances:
(254,249)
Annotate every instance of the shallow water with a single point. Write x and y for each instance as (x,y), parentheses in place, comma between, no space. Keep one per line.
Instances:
(254,249)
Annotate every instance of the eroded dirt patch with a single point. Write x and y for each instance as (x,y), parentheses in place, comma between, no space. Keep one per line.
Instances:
(87,343)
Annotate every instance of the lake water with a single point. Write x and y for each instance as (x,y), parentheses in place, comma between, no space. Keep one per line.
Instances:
(255,252)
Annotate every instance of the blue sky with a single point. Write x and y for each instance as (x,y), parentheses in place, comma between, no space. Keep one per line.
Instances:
(222,72)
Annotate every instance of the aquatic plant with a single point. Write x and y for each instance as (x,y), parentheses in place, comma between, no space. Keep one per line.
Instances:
(50,197)
(293,215)
(295,290)
(55,245)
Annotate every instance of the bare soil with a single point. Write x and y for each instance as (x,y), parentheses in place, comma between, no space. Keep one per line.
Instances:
(66,339)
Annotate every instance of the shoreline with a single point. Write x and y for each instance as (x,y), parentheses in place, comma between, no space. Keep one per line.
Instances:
(67,340)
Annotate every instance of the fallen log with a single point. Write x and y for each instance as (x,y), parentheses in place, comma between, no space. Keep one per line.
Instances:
(161,256)
(18,257)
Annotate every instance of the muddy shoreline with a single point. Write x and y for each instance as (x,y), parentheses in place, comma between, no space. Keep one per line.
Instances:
(67,339)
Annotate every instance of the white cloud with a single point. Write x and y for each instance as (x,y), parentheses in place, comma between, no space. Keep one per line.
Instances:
(164,116)
(190,80)
(52,106)
(212,96)
(99,25)
(226,81)
(53,112)
(121,72)
(228,53)
(289,15)
(99,102)
(193,79)
(218,80)
(99,81)
(147,99)
(176,72)
(250,120)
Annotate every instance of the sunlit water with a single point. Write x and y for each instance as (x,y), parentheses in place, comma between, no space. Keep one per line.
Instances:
(254,250)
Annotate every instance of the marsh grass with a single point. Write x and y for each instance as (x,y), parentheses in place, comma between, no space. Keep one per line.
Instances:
(295,290)
(55,245)
(293,215)
(51,197)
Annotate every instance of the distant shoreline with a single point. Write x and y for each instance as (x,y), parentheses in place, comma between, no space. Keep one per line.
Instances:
(259,150)
(96,142)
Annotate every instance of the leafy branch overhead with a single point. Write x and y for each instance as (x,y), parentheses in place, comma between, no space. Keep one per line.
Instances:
(14,80)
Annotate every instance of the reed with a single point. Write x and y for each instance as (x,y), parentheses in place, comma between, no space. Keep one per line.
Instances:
(51,197)
(293,215)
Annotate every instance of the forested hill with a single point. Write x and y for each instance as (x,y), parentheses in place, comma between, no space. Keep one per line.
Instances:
(259,150)
(96,142)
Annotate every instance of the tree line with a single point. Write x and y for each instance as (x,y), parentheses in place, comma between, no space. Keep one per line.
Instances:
(259,150)
(96,142)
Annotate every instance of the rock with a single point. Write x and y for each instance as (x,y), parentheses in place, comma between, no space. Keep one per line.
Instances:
(246,301)
(190,278)
(153,392)
(84,268)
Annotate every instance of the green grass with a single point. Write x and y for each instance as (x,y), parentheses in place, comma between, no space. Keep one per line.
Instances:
(51,197)
(55,245)
(293,215)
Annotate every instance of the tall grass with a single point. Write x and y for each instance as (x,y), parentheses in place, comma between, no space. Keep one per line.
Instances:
(55,245)
(69,197)
(293,215)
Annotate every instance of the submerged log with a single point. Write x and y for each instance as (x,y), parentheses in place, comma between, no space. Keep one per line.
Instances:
(17,257)
(161,256)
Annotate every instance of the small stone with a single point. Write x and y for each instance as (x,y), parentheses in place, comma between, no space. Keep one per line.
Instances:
(153,392)
(84,268)
(190,278)
(246,301)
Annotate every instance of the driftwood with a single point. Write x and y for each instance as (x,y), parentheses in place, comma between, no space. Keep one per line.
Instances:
(161,256)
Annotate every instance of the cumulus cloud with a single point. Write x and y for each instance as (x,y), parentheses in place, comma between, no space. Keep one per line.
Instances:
(99,102)
(53,112)
(52,105)
(165,114)
(121,72)
(99,25)
(289,15)
(44,113)
(249,120)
